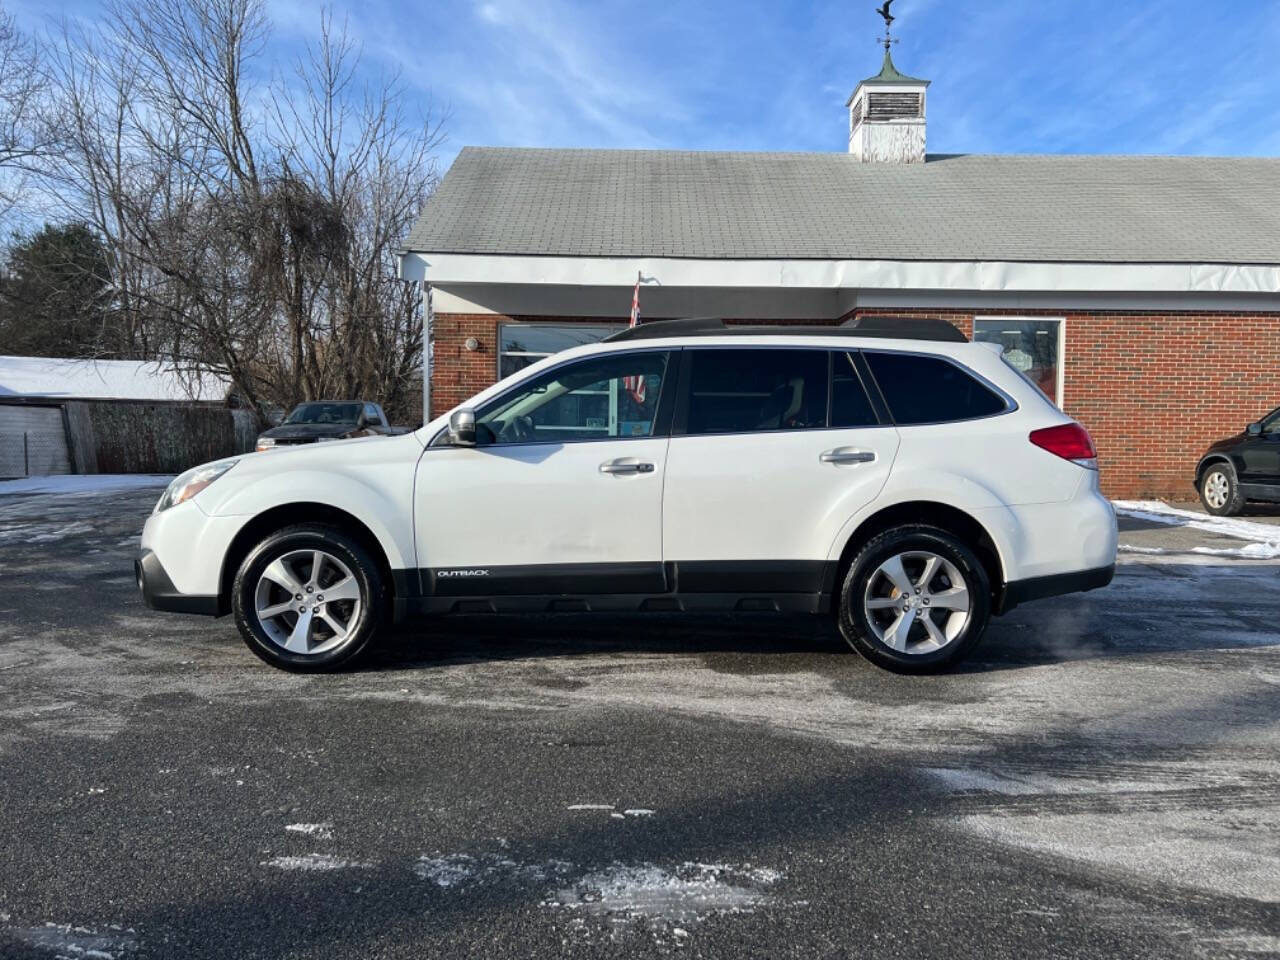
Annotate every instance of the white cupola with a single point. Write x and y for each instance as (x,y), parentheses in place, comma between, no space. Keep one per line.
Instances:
(886,117)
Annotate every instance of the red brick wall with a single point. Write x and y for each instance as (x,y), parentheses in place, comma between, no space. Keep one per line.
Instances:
(1153,389)
(459,373)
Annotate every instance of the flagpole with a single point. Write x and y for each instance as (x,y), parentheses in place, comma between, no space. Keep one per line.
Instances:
(428,321)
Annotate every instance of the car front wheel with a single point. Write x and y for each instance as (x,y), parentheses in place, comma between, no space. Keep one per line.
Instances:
(1219,491)
(308,598)
(916,600)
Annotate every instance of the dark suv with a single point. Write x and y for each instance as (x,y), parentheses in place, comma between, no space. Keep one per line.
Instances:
(1240,468)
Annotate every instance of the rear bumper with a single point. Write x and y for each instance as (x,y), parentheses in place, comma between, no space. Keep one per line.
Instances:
(1038,588)
(159,593)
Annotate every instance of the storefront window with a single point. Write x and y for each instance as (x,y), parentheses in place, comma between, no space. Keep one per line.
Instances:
(523,344)
(1032,347)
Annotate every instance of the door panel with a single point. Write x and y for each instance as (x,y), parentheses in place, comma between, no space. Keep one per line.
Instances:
(541,518)
(1261,454)
(769,498)
(774,450)
(563,495)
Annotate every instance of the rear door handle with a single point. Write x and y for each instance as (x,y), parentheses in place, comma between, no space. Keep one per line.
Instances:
(847,455)
(625,465)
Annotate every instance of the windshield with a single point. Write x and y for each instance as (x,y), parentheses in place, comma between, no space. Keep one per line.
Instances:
(324,413)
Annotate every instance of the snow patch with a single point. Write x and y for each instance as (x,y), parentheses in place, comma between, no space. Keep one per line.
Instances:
(1153,511)
(684,894)
(68,940)
(1251,551)
(321,831)
(453,870)
(590,806)
(638,812)
(315,861)
(84,485)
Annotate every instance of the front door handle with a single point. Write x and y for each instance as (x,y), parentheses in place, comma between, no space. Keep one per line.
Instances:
(626,465)
(847,455)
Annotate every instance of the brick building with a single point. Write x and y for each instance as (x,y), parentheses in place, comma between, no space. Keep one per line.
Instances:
(1142,293)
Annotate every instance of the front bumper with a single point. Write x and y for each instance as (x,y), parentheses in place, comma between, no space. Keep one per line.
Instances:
(159,593)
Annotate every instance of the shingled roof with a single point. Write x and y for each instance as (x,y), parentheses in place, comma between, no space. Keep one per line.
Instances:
(667,203)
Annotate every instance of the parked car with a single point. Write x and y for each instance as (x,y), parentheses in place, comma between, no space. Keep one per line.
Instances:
(1241,468)
(895,476)
(328,420)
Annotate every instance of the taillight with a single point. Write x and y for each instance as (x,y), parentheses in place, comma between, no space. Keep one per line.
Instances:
(1069,441)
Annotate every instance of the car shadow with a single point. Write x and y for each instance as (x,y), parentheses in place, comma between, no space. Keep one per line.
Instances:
(1211,607)
(445,641)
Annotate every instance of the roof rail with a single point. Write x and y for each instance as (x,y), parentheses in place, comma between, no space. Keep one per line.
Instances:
(905,328)
(881,328)
(668,328)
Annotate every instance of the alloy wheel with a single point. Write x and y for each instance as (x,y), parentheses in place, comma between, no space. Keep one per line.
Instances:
(307,601)
(917,602)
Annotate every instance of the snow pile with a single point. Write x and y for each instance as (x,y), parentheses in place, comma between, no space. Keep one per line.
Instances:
(1264,538)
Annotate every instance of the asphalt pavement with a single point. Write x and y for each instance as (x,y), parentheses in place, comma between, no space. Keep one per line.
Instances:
(1101,780)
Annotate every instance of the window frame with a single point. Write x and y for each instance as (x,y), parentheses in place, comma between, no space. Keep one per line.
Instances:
(684,395)
(1061,380)
(1011,405)
(661,417)
(499,353)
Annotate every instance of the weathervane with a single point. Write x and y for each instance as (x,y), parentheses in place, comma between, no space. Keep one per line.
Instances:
(888,41)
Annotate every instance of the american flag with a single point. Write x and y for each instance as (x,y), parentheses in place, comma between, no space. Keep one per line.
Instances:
(635,385)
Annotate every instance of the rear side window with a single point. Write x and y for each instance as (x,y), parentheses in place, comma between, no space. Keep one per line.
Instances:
(920,389)
(743,391)
(849,404)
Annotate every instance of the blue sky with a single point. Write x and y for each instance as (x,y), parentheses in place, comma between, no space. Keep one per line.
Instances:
(1009,76)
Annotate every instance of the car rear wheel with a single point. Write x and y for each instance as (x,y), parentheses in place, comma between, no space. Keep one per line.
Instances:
(1219,491)
(916,600)
(309,599)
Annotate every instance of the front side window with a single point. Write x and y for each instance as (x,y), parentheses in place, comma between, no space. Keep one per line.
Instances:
(599,398)
(1271,423)
(1032,347)
(523,344)
(923,389)
(744,391)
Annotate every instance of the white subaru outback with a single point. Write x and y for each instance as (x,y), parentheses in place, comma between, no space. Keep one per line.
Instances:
(888,472)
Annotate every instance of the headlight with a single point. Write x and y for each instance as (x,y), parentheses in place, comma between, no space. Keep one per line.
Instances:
(265,443)
(192,482)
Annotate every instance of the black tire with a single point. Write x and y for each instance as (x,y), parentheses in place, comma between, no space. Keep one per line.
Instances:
(363,569)
(1210,488)
(854,618)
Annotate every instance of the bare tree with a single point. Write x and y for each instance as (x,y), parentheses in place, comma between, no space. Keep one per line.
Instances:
(252,225)
(24,131)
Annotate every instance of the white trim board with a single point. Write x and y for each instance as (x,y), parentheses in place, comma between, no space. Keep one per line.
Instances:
(554,301)
(862,275)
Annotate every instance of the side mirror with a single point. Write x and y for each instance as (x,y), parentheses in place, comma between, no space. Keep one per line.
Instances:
(462,428)
(1254,429)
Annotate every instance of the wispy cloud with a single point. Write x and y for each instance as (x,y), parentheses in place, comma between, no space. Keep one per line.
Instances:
(1008,76)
